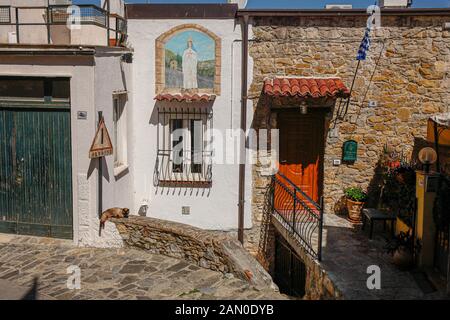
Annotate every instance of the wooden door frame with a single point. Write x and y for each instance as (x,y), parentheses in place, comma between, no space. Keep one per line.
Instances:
(321,111)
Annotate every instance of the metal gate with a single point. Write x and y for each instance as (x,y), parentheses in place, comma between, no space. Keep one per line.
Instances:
(442,220)
(290,271)
(35,169)
(442,250)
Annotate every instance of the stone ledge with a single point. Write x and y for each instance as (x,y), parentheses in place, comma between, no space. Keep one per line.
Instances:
(208,249)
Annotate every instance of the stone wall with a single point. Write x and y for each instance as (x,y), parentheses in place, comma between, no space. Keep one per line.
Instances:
(211,250)
(318,284)
(406,73)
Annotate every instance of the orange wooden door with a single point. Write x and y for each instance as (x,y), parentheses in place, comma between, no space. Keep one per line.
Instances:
(301,150)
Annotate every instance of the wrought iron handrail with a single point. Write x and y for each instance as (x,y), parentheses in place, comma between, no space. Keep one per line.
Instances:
(315,204)
(298,213)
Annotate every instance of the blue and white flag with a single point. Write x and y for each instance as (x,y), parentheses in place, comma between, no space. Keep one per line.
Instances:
(364,46)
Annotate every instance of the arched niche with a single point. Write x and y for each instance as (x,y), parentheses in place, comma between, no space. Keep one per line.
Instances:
(171,56)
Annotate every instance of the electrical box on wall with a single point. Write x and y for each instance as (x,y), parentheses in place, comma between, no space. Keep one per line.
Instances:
(81,115)
(373,104)
(185,210)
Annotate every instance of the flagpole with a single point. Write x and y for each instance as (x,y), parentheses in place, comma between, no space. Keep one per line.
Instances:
(351,88)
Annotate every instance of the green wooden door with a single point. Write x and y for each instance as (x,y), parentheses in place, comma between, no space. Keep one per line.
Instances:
(35,170)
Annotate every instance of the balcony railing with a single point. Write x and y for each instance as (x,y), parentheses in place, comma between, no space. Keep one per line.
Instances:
(5,15)
(298,213)
(88,15)
(114,27)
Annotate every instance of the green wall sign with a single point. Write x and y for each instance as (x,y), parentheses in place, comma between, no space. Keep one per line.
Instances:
(350,151)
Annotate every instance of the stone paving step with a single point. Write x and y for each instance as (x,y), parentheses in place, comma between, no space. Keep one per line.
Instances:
(348,252)
(112,273)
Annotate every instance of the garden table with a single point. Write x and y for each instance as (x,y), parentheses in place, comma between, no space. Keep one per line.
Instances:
(373,215)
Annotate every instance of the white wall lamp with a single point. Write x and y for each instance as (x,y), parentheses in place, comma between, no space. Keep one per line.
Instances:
(427,156)
(303,108)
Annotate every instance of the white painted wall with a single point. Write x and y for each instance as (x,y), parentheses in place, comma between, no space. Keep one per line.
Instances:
(214,208)
(111,75)
(92,82)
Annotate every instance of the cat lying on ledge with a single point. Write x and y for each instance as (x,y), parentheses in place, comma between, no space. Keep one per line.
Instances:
(112,213)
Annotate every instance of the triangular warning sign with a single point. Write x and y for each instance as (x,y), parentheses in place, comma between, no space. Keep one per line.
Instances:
(101,146)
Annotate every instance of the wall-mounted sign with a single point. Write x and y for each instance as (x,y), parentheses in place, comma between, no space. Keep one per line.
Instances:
(350,151)
(102,145)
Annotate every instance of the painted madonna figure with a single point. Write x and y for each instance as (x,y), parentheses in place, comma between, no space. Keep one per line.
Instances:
(190,66)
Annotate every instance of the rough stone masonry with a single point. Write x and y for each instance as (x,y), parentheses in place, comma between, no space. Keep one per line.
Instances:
(410,83)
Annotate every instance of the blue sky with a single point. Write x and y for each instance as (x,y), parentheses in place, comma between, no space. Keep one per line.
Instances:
(290,4)
(203,45)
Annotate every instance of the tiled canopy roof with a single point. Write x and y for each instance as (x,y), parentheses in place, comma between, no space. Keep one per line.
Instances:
(306,87)
(185,97)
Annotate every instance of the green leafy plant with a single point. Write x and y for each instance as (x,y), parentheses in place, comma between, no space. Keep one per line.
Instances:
(355,194)
(399,191)
(402,240)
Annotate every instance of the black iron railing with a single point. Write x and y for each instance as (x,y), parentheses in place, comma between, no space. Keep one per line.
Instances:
(298,213)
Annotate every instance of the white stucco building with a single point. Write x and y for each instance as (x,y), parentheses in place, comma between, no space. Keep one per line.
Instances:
(207,199)
(54,80)
(132,72)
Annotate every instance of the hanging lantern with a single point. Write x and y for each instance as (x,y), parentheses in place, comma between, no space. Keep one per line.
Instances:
(303,108)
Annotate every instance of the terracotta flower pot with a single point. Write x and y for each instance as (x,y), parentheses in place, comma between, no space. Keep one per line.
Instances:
(403,258)
(354,211)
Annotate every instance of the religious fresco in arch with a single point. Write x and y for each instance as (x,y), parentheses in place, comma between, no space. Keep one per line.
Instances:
(190,61)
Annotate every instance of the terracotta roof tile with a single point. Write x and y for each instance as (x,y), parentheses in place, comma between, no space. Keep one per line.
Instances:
(185,97)
(306,87)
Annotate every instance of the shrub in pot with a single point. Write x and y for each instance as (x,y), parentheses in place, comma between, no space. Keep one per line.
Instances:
(401,249)
(356,199)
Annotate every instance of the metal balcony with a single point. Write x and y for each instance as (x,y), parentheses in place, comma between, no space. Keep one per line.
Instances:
(54,25)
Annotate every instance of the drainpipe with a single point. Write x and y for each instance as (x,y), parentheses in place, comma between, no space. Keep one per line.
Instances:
(244,81)
(108,12)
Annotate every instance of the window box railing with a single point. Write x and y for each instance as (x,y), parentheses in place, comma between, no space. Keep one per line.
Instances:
(191,170)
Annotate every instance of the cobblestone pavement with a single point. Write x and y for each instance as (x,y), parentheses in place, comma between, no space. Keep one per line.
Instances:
(347,252)
(114,273)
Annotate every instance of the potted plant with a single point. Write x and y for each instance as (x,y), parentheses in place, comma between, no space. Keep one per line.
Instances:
(356,199)
(401,249)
